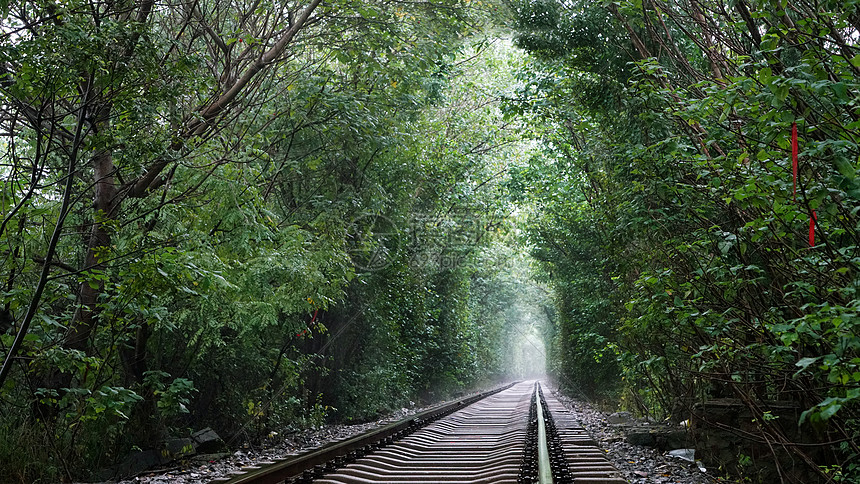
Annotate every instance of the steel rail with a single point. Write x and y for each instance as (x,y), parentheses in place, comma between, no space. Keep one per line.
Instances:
(490,438)
(544,467)
(479,444)
(574,455)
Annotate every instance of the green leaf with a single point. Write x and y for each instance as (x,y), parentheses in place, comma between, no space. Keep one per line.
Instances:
(841,91)
(50,321)
(765,76)
(803,363)
(845,168)
(829,411)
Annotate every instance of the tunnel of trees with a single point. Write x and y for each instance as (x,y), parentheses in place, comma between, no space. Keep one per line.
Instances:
(261,214)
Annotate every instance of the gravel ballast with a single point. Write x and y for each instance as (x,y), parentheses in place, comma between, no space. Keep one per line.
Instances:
(638,464)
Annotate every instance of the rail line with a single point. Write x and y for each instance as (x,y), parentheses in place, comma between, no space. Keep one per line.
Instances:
(515,434)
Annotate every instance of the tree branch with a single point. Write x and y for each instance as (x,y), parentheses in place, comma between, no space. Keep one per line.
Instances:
(140,187)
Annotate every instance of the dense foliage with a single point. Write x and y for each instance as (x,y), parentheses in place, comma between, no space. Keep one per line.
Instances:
(246,215)
(686,253)
(254,214)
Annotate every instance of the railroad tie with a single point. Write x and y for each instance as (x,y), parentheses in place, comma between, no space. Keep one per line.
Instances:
(514,434)
(482,443)
(586,462)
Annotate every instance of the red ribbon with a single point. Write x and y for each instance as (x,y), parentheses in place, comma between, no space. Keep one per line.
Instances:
(794,157)
(813,217)
(306,330)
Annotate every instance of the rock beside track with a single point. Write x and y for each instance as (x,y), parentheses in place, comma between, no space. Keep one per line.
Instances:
(205,467)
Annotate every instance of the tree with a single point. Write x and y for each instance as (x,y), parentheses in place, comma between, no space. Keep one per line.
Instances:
(186,141)
(678,122)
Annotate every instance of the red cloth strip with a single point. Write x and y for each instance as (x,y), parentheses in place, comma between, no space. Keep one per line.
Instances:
(813,217)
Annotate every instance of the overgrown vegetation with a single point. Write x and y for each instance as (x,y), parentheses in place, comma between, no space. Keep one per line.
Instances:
(244,215)
(252,214)
(687,256)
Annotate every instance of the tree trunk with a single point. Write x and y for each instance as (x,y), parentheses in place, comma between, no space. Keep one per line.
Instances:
(106,204)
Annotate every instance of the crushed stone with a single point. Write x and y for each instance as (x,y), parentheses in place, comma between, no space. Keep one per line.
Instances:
(637,464)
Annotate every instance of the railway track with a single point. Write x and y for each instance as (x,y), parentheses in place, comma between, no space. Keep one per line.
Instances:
(515,434)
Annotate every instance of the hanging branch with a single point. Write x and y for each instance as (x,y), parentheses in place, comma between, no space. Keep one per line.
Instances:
(33,308)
